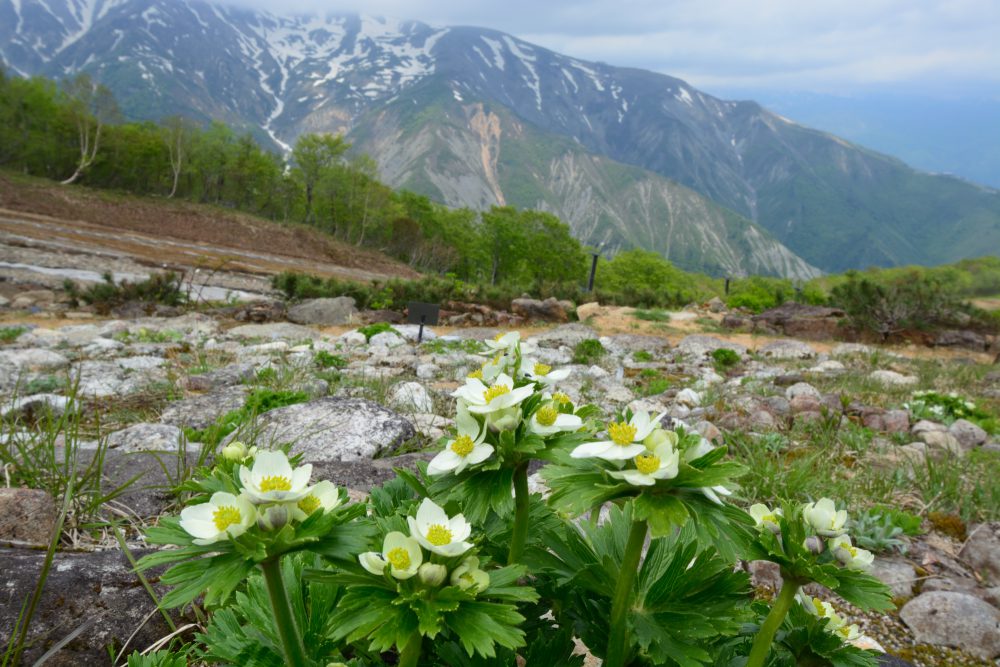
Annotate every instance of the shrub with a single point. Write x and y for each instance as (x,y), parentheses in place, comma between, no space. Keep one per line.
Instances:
(759,293)
(10,334)
(324,359)
(725,358)
(375,329)
(159,288)
(588,352)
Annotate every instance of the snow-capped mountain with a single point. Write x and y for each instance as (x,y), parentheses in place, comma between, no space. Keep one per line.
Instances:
(476,117)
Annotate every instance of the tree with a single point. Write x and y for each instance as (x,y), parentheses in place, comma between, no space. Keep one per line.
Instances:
(314,155)
(92,106)
(177,132)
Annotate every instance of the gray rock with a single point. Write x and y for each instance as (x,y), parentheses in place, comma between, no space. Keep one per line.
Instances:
(895,573)
(788,379)
(954,619)
(847,349)
(33,359)
(333,429)
(778,405)
(427,371)
(147,437)
(275,330)
(941,441)
(969,435)
(99,587)
(628,343)
(141,363)
(925,425)
(199,412)
(787,349)
(896,421)
(411,331)
(982,550)
(431,425)
(221,377)
(26,515)
(762,419)
(386,339)
(565,334)
(411,397)
(326,312)
(699,345)
(892,378)
(352,339)
(802,390)
(35,406)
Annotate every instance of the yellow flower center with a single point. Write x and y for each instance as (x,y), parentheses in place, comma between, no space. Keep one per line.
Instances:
(275,483)
(851,550)
(476,374)
(399,558)
(560,397)
(438,535)
(309,504)
(820,610)
(225,516)
(463,445)
(499,336)
(647,464)
(547,415)
(542,369)
(769,518)
(494,391)
(622,433)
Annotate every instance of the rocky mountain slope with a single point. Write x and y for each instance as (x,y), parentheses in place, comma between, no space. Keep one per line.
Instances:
(606,148)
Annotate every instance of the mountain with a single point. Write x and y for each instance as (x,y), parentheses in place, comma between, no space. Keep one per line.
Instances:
(475,117)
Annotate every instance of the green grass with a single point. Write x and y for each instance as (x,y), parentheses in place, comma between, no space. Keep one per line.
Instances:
(257,402)
(326,360)
(438,346)
(144,335)
(588,352)
(375,329)
(10,334)
(654,315)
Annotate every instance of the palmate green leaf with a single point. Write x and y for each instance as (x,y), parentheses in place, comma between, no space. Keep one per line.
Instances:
(664,513)
(578,489)
(216,576)
(368,612)
(804,639)
(431,611)
(863,590)
(477,492)
(503,585)
(480,625)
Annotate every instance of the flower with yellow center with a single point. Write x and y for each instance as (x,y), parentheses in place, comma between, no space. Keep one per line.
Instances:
(467,448)
(504,343)
(500,395)
(650,467)
(438,533)
(823,516)
(321,495)
(765,518)
(548,420)
(561,398)
(272,479)
(401,554)
(625,439)
(223,516)
(469,577)
(543,373)
(476,374)
(853,558)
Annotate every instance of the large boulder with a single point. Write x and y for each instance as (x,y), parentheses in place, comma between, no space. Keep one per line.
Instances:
(326,312)
(549,310)
(700,345)
(333,429)
(954,619)
(199,412)
(787,349)
(800,321)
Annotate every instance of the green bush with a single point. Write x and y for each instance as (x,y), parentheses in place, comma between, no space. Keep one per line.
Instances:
(725,358)
(588,352)
(375,329)
(10,334)
(159,288)
(257,402)
(758,293)
(324,359)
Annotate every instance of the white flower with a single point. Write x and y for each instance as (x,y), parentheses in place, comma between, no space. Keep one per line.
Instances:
(703,447)
(321,495)
(400,553)
(224,515)
(436,532)
(272,479)
(816,607)
(501,395)
(852,557)
(660,435)
(468,576)
(432,574)
(234,451)
(547,420)
(713,493)
(661,463)
(543,373)
(504,342)
(625,439)
(824,517)
(466,449)
(764,517)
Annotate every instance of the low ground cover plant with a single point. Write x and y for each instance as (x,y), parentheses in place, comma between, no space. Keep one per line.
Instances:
(458,563)
(159,288)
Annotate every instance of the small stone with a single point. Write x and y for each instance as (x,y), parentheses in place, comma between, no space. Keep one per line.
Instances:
(700,345)
(893,378)
(352,339)
(847,349)
(688,397)
(35,406)
(596,372)
(411,331)
(802,389)
(587,310)
(411,397)
(982,550)
(829,367)
(386,339)
(324,312)
(969,435)
(33,359)
(895,573)
(954,619)
(915,453)
(762,419)
(26,515)
(942,441)
(896,421)
(709,431)
(787,349)
(788,379)
(801,404)
(427,371)
(273,330)
(141,363)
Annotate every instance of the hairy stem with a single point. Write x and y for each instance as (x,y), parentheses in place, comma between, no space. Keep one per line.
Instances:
(765,636)
(618,638)
(284,619)
(520,532)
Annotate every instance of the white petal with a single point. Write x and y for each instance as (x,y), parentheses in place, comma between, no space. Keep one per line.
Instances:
(479,454)
(300,477)
(619,453)
(445,461)
(467,424)
(460,528)
(589,449)
(568,422)
(429,514)
(373,562)
(637,478)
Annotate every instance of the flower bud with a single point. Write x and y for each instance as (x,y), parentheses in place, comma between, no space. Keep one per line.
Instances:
(814,545)
(505,420)
(234,451)
(274,517)
(432,574)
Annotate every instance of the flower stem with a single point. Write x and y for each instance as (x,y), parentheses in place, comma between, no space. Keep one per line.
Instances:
(284,619)
(618,638)
(520,533)
(409,656)
(765,636)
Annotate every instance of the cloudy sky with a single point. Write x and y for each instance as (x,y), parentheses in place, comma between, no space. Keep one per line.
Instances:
(847,46)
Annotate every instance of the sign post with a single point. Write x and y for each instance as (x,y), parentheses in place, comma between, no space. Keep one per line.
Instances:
(421,314)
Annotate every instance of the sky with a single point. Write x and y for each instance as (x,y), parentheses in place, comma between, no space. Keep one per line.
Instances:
(931,47)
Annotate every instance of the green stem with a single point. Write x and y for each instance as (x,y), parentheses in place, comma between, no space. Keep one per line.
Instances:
(410,655)
(520,532)
(284,619)
(618,638)
(765,636)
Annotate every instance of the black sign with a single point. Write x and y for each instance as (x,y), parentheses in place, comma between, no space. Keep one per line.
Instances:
(422,313)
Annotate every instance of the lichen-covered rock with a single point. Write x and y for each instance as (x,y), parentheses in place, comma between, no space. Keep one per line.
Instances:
(982,550)
(273,331)
(954,619)
(411,397)
(326,312)
(969,435)
(26,515)
(333,429)
(892,378)
(144,437)
(787,349)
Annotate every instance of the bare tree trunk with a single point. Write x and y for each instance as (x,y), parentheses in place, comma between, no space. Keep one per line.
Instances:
(87,152)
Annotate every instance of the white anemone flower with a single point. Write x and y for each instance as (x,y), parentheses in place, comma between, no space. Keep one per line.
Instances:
(467,448)
(662,463)
(713,493)
(223,516)
(660,436)
(468,576)
(438,533)
(815,606)
(504,342)
(272,479)
(401,554)
(703,447)
(321,495)
(500,395)
(543,373)
(853,558)
(625,439)
(823,516)
(547,420)
(766,518)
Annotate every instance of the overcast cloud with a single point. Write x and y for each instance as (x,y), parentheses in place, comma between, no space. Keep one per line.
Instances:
(840,47)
